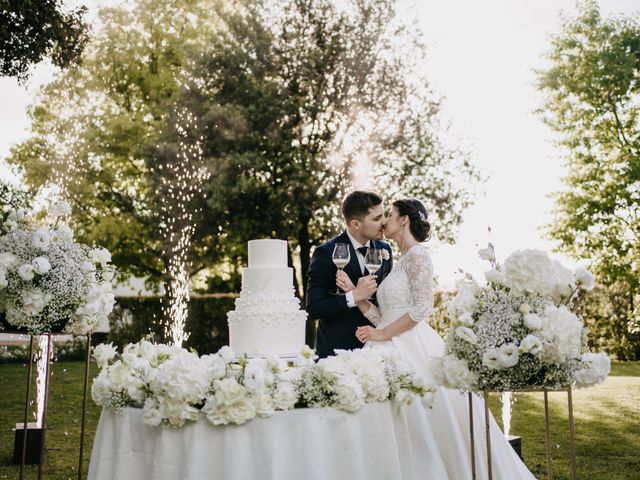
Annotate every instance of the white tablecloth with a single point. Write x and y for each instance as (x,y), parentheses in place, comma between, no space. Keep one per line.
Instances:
(380,441)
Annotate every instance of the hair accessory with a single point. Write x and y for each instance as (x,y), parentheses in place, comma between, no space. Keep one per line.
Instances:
(422,217)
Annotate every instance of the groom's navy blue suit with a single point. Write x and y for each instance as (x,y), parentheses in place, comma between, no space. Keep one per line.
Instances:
(337,322)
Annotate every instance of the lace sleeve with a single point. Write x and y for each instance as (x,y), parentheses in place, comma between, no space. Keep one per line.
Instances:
(420,272)
(373,314)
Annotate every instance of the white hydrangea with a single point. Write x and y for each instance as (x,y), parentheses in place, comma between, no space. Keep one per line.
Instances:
(60,209)
(560,334)
(534,272)
(596,369)
(104,353)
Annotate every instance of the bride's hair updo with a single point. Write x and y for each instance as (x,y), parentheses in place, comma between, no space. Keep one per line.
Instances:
(417,213)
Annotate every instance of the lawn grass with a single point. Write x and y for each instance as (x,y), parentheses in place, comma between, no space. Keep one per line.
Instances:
(606,416)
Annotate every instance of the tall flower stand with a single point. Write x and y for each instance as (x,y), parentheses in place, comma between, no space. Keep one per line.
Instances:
(572,443)
(46,400)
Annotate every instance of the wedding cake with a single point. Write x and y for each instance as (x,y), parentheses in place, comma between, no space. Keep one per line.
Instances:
(267,318)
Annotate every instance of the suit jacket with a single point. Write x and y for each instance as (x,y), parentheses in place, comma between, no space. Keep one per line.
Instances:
(337,322)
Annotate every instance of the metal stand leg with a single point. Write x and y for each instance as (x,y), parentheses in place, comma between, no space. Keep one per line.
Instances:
(473,446)
(26,409)
(488,433)
(547,432)
(84,404)
(46,400)
(572,438)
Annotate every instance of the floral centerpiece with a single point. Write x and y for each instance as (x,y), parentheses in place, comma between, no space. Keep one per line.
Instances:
(49,281)
(174,386)
(518,331)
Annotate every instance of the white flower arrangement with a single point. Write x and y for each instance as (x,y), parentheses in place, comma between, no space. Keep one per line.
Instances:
(518,331)
(47,280)
(174,386)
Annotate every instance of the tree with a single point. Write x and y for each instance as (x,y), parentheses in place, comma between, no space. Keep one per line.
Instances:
(102,130)
(32,30)
(300,98)
(592,99)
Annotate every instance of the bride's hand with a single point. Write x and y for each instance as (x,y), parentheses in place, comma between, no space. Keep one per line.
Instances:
(344,282)
(370,334)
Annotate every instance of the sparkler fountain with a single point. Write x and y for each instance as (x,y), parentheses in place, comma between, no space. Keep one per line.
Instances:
(181,180)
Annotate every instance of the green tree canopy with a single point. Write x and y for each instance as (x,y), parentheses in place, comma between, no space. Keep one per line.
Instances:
(305,102)
(31,30)
(592,99)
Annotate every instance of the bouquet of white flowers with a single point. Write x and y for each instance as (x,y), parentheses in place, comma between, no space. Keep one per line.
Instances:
(48,280)
(173,386)
(518,331)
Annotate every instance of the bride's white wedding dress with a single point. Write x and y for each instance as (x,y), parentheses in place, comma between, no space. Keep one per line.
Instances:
(409,289)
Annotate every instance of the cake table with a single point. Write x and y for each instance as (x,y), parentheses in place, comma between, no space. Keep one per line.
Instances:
(381,440)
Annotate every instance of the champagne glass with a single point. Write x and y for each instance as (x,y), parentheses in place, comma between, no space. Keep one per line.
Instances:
(373,260)
(341,257)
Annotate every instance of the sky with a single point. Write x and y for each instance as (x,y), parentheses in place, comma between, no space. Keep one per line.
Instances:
(482,57)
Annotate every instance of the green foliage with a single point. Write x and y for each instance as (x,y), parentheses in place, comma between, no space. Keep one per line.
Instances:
(136,318)
(32,30)
(592,99)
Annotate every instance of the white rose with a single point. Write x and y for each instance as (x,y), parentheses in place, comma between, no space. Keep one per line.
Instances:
(458,374)
(33,301)
(215,365)
(530,344)
(495,276)
(584,278)
(487,254)
(385,254)
(348,394)
(60,209)
(41,265)
(41,238)
(104,353)
(508,355)
(227,354)
(532,321)
(264,405)
(307,352)
(285,396)
(100,255)
(465,320)
(17,215)
(151,416)
(403,397)
(466,334)
(26,272)
(254,377)
(491,359)
(7,260)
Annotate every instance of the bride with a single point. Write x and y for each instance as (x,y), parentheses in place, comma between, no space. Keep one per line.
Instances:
(405,299)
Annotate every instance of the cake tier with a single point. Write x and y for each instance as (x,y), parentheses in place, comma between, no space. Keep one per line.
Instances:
(267,330)
(267,279)
(268,253)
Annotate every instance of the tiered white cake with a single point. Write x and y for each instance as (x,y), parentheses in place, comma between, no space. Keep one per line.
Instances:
(267,318)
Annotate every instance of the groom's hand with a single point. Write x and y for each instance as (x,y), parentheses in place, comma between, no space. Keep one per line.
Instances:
(366,287)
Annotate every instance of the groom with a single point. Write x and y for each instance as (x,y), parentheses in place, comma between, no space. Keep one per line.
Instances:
(338,315)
